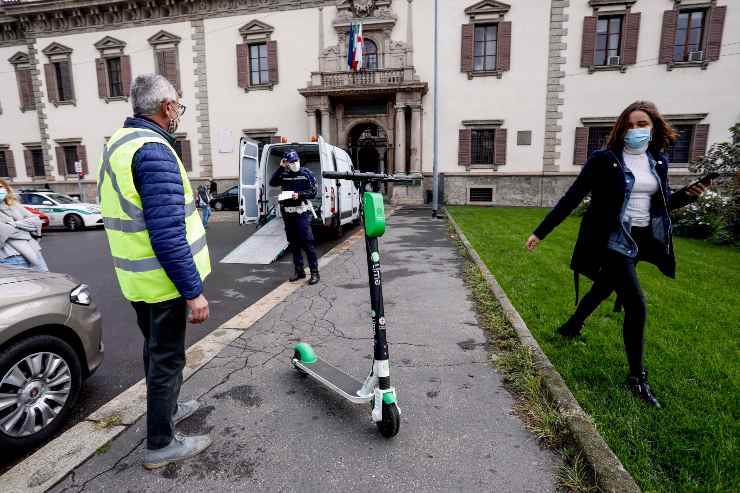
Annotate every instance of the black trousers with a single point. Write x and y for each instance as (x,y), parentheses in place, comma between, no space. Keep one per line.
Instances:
(300,238)
(163,327)
(620,275)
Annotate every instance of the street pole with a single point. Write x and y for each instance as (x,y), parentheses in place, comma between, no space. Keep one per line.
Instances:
(435,164)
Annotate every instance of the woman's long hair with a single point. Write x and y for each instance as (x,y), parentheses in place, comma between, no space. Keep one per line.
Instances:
(663,135)
(10,199)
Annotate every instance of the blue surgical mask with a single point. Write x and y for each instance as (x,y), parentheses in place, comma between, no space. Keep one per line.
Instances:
(3,194)
(638,139)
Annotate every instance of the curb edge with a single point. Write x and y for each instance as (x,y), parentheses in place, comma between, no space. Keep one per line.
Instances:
(610,474)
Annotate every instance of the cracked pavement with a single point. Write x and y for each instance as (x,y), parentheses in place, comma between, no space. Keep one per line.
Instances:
(275,430)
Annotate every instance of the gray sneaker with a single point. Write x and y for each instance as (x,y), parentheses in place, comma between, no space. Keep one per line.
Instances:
(185,410)
(180,448)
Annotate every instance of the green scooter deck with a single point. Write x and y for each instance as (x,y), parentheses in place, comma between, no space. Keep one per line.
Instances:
(335,379)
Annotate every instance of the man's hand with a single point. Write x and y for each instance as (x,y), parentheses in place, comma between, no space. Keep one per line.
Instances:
(198,310)
(532,242)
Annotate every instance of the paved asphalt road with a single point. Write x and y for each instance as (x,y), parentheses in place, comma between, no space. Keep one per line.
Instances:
(230,289)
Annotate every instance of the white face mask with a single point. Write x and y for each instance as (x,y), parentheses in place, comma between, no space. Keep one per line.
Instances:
(174,121)
(3,194)
(294,167)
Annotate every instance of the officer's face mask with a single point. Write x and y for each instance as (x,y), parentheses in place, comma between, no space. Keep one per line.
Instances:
(294,167)
(3,194)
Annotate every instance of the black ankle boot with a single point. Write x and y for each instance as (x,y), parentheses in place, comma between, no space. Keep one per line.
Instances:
(299,274)
(638,385)
(571,328)
(315,277)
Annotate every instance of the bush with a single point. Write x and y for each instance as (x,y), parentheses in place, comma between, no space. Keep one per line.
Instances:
(707,218)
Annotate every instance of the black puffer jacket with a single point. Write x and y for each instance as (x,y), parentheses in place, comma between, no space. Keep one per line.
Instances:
(603,176)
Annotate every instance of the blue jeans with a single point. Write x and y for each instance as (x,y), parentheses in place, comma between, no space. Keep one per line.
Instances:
(206,215)
(163,327)
(20,261)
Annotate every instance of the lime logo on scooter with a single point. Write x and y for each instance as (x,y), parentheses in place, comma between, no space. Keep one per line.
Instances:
(375,257)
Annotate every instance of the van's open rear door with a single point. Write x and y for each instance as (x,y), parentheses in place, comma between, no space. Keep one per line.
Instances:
(248,181)
(327,164)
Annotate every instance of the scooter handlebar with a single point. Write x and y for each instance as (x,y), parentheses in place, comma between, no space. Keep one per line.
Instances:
(372,177)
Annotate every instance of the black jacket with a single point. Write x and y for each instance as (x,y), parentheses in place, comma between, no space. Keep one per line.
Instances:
(603,176)
(302,182)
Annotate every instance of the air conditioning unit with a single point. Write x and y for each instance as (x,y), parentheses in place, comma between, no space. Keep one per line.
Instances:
(614,60)
(696,56)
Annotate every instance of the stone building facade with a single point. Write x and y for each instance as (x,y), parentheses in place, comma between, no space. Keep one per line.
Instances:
(527,88)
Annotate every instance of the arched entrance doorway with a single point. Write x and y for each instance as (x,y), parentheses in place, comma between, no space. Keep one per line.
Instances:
(368,146)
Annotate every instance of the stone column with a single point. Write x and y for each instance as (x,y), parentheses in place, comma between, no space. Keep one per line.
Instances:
(400,159)
(415,165)
(325,125)
(311,115)
(409,33)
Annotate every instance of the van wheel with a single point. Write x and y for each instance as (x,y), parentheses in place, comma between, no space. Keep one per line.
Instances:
(218,205)
(73,222)
(40,379)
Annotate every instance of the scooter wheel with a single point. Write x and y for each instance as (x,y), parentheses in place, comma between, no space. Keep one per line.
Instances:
(297,355)
(391,421)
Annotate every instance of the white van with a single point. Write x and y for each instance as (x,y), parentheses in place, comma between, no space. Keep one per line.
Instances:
(337,202)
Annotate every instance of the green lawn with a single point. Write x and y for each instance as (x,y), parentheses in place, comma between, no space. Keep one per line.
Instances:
(692,348)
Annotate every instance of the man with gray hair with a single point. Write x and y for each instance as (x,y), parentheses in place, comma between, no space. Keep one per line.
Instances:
(159,253)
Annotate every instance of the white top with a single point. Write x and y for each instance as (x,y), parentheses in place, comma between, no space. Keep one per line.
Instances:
(638,206)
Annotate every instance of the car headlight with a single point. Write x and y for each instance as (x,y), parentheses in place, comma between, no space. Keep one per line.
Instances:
(80,295)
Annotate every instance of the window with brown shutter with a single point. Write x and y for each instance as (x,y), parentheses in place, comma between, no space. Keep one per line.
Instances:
(113,70)
(610,41)
(257,57)
(242,65)
(716,27)
(61,161)
(486,48)
(59,82)
(4,172)
(504,46)
(168,66)
(272,62)
(166,57)
(82,156)
(182,147)
(464,147)
(692,36)
(580,151)
(51,83)
(467,48)
(499,158)
(25,89)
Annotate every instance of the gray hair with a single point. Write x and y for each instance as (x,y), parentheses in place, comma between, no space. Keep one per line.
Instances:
(148,93)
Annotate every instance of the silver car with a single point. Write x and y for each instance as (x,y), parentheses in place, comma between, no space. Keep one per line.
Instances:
(50,342)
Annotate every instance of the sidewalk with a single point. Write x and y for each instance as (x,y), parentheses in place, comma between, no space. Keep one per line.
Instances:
(276,431)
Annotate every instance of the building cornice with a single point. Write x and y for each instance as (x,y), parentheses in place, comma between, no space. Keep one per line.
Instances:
(22,21)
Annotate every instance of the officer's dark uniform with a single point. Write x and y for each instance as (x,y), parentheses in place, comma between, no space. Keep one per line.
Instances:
(298,225)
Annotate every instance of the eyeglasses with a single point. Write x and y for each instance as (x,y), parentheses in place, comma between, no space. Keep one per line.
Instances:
(180,108)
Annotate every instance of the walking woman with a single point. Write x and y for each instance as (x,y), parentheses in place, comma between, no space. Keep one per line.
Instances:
(626,222)
(19,231)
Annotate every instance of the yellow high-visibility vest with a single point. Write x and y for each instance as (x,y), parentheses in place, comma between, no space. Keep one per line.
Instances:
(140,275)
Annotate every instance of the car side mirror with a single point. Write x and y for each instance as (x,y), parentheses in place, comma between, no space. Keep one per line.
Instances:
(47,202)
(76,199)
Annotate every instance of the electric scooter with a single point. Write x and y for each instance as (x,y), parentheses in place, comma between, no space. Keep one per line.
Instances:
(376,389)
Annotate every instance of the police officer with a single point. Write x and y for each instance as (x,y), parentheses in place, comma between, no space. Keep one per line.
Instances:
(297,212)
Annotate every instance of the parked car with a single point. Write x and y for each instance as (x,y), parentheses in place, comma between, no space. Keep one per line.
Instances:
(44,218)
(50,342)
(226,201)
(63,210)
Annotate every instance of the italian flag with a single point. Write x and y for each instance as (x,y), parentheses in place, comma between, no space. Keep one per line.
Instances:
(354,53)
